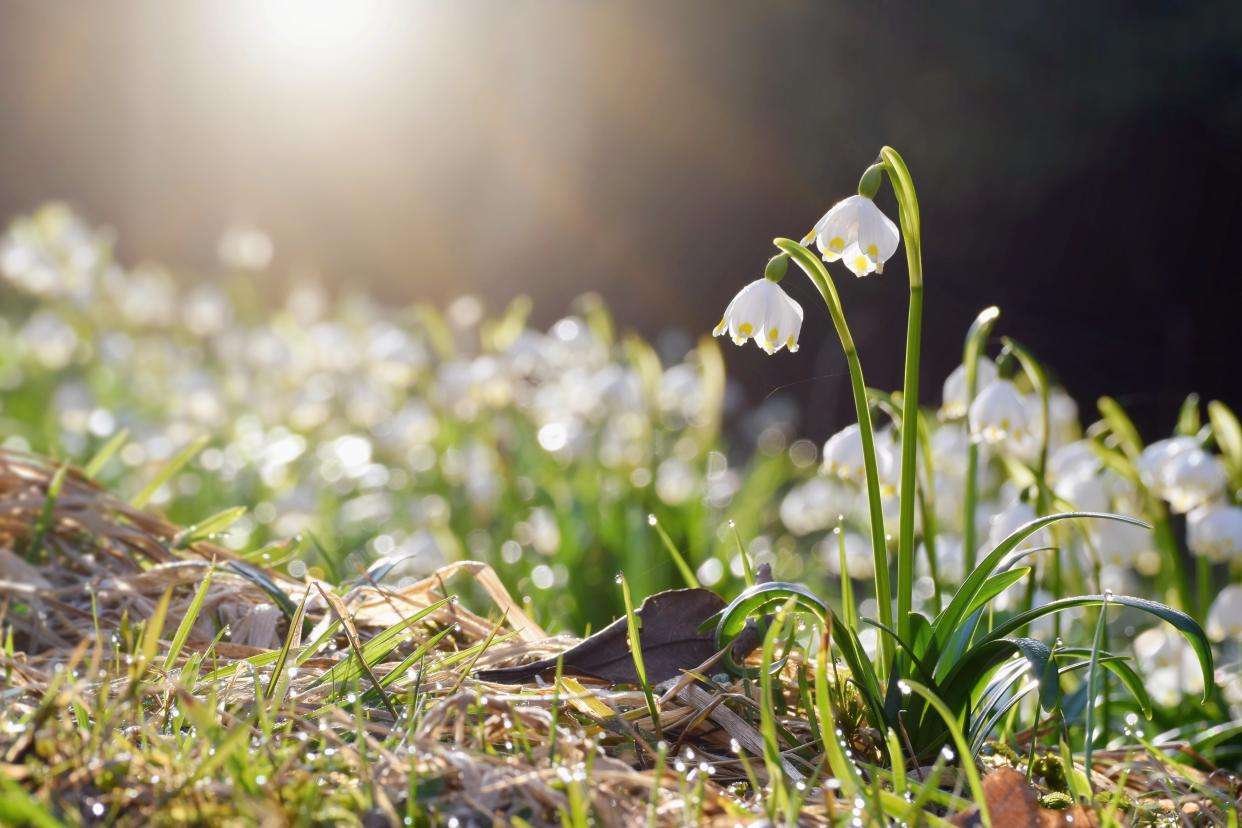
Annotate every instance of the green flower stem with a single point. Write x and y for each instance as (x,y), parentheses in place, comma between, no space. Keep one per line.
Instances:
(975,337)
(818,274)
(908,204)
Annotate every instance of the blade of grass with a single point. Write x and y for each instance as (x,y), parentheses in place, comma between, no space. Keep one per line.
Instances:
(167,471)
(687,574)
(105,453)
(636,651)
(187,621)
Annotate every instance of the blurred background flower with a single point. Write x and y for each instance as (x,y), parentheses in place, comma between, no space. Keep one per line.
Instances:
(423,150)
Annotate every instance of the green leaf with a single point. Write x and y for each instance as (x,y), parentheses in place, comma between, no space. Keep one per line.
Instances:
(1188,419)
(1228,434)
(262,581)
(1121,426)
(995,585)
(1183,623)
(949,620)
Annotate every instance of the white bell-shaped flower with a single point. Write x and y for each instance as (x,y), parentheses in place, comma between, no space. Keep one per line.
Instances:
(815,505)
(764,311)
(1224,621)
(1073,459)
(1214,531)
(1086,491)
(1169,666)
(999,414)
(859,563)
(1155,457)
(856,232)
(843,454)
(1191,478)
(1007,521)
(953,399)
(1121,545)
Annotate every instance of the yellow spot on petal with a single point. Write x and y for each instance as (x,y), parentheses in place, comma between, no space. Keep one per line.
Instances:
(774,335)
(745,329)
(873,251)
(836,244)
(861,262)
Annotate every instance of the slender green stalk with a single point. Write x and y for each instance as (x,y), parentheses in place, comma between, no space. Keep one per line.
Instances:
(908,206)
(818,274)
(975,337)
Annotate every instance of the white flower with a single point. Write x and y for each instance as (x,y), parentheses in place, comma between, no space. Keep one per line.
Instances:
(1156,457)
(858,554)
(999,414)
(1123,545)
(1224,619)
(1004,523)
(855,231)
(1085,490)
(1072,460)
(954,403)
(763,310)
(843,454)
(1168,664)
(1191,478)
(1215,531)
(815,505)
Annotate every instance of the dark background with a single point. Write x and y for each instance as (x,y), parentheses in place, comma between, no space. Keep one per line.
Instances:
(1078,164)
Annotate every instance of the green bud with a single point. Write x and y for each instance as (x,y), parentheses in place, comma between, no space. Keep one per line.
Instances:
(776,267)
(871,180)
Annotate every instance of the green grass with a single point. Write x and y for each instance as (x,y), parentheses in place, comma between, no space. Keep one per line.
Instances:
(280,647)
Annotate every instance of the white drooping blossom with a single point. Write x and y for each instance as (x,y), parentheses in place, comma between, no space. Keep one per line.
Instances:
(1007,521)
(1086,491)
(1168,664)
(764,311)
(1124,545)
(856,232)
(843,454)
(816,504)
(1224,621)
(858,554)
(1155,457)
(1073,459)
(1214,530)
(999,415)
(1191,478)
(953,398)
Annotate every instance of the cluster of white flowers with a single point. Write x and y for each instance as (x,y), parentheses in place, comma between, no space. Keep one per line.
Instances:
(394,431)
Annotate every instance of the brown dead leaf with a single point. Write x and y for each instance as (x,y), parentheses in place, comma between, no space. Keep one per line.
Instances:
(1013,803)
(668,634)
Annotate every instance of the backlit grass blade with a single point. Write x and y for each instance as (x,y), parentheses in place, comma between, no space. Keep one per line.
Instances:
(187,621)
(106,453)
(376,648)
(203,530)
(35,551)
(167,471)
(636,652)
(687,574)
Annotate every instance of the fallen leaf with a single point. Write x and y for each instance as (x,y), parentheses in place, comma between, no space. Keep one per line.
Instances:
(1014,803)
(668,634)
